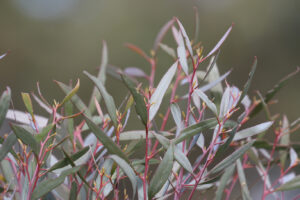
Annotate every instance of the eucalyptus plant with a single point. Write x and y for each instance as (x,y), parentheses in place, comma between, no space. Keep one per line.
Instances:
(200,141)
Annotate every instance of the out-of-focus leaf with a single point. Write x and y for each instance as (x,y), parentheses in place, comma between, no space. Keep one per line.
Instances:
(108,100)
(170,51)
(101,76)
(162,140)
(2,56)
(182,59)
(218,45)
(183,160)
(207,101)
(135,72)
(138,51)
(140,134)
(73,191)
(229,100)
(127,170)
(224,180)
(140,106)
(111,147)
(243,182)
(75,99)
(162,172)
(175,110)
(186,38)
(26,137)
(284,140)
(4,104)
(141,189)
(162,33)
(7,145)
(64,162)
(249,132)
(248,83)
(293,157)
(71,93)
(27,101)
(177,36)
(215,82)
(291,185)
(231,158)
(212,65)
(42,135)
(196,33)
(49,184)
(160,91)
(271,93)
(195,129)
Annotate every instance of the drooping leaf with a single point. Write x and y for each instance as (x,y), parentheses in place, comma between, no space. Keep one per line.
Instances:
(248,83)
(162,33)
(223,182)
(195,129)
(170,51)
(71,93)
(215,83)
(181,158)
(108,100)
(249,132)
(75,99)
(73,191)
(243,182)
(4,104)
(111,147)
(271,93)
(175,110)
(290,185)
(135,72)
(7,145)
(164,169)
(219,44)
(207,101)
(182,59)
(64,162)
(231,158)
(140,106)
(26,137)
(49,184)
(128,171)
(160,91)
(138,51)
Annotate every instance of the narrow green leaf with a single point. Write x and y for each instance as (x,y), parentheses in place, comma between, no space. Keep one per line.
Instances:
(165,142)
(207,101)
(101,76)
(195,129)
(284,140)
(75,99)
(140,134)
(111,147)
(161,175)
(71,93)
(249,132)
(42,135)
(181,158)
(243,182)
(160,91)
(49,184)
(73,191)
(140,106)
(271,93)
(127,170)
(248,83)
(4,104)
(186,38)
(223,182)
(64,162)
(181,53)
(170,51)
(7,145)
(26,137)
(108,100)
(175,110)
(27,101)
(290,185)
(231,158)
(70,121)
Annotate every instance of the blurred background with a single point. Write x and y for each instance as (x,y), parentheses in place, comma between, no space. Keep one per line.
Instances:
(58,39)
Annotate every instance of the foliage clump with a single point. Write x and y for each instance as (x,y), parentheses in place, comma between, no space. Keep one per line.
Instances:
(200,142)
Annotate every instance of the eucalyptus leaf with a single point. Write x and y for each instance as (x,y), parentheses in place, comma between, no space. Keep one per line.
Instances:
(207,101)
(249,132)
(7,145)
(243,182)
(223,182)
(294,184)
(71,93)
(4,104)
